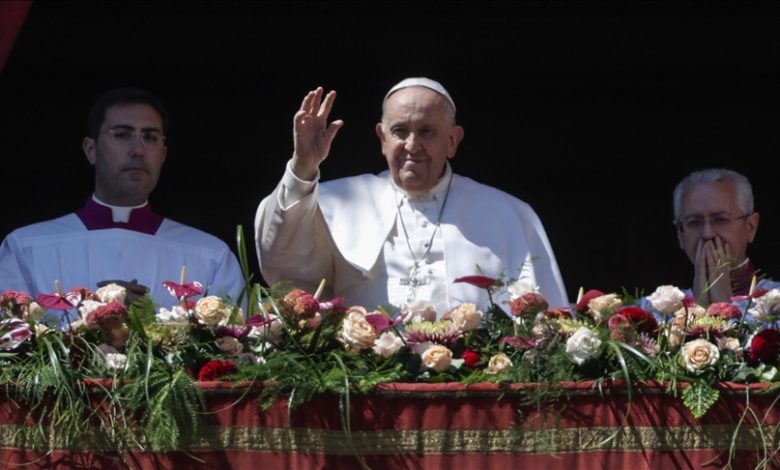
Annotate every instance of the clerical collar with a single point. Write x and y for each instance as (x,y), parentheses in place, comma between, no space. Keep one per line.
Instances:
(97,215)
(437,192)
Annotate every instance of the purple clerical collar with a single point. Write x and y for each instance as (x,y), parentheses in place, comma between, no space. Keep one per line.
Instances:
(95,216)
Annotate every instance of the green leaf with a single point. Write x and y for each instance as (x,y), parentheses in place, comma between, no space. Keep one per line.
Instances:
(699,397)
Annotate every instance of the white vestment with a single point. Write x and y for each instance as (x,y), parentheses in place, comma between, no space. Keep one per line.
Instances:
(346,230)
(33,257)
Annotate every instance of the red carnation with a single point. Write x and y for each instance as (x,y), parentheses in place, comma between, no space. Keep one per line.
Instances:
(724,310)
(482,282)
(582,305)
(471,357)
(558,313)
(107,316)
(213,370)
(641,318)
(15,298)
(529,304)
(303,304)
(765,346)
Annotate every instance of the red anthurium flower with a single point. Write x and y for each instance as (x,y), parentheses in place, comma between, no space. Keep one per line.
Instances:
(380,321)
(183,291)
(482,282)
(759,292)
(582,305)
(54,301)
(689,301)
(258,321)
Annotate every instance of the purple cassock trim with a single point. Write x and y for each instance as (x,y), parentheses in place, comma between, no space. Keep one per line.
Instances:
(741,279)
(97,217)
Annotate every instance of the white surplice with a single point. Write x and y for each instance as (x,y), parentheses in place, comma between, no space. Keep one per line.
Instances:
(348,232)
(33,257)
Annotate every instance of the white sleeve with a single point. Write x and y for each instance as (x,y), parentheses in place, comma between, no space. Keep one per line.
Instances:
(292,240)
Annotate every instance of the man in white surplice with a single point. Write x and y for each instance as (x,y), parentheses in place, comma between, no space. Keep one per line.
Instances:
(116,235)
(406,234)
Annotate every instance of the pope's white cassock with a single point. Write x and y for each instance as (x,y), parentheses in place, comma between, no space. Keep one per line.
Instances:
(364,235)
(83,248)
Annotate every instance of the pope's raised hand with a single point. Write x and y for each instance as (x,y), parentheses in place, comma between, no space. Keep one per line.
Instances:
(312,135)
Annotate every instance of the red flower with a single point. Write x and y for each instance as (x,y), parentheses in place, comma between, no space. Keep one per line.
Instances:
(643,320)
(107,316)
(213,370)
(471,357)
(582,305)
(759,292)
(724,310)
(689,301)
(483,282)
(765,346)
(303,304)
(529,304)
(13,298)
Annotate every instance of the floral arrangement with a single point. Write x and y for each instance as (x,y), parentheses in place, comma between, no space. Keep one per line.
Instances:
(53,347)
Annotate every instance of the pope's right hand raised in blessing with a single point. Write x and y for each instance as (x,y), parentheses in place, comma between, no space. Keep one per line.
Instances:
(312,134)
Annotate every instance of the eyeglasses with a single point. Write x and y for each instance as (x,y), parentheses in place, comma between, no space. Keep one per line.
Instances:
(717,221)
(150,138)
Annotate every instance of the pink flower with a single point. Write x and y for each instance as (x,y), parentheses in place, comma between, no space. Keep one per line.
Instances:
(724,310)
(108,316)
(183,291)
(302,303)
(529,305)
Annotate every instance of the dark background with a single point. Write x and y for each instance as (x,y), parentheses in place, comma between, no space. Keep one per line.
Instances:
(589,111)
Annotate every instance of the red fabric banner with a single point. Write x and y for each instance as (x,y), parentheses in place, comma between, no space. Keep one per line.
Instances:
(12,16)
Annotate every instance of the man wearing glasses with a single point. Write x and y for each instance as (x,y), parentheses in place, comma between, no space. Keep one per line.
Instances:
(116,235)
(713,213)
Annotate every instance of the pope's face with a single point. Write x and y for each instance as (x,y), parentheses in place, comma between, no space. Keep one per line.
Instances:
(126,168)
(418,136)
(709,211)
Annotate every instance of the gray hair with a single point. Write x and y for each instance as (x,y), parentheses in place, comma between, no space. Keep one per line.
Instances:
(714,175)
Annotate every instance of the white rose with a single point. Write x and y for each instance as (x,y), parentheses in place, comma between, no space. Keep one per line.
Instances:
(584,344)
(726,343)
(111,293)
(356,333)
(521,287)
(421,310)
(271,331)
(437,357)
(211,310)
(33,311)
(177,314)
(387,344)
(667,299)
(116,361)
(698,354)
(766,305)
(498,363)
(466,317)
(604,305)
(88,306)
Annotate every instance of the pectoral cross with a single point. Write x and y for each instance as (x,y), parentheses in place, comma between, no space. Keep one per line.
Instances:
(416,279)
